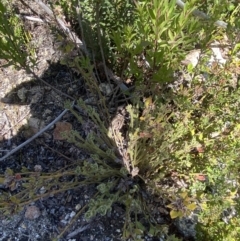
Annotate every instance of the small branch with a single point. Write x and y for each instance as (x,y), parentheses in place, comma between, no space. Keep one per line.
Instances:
(18,121)
(33,19)
(77,231)
(28,6)
(34,137)
(53,150)
(74,219)
(8,123)
(80,43)
(100,41)
(46,83)
(71,34)
(116,79)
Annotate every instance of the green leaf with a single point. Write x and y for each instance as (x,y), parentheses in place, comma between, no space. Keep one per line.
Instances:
(9,172)
(175,214)
(138,231)
(190,68)
(140,226)
(170,206)
(173,238)
(192,206)
(184,195)
(170,34)
(152,15)
(15,200)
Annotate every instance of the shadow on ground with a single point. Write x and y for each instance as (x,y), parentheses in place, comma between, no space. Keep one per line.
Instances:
(53,213)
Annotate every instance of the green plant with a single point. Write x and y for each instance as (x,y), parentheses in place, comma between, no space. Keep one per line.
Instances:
(111,176)
(96,20)
(188,135)
(152,46)
(196,142)
(13,39)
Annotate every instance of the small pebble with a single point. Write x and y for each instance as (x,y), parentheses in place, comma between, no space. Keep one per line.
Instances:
(32,212)
(37,168)
(78,206)
(42,190)
(67,217)
(72,214)
(64,222)
(23,225)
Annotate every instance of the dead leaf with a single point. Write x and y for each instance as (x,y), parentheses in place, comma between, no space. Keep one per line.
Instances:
(197,150)
(61,127)
(145,135)
(192,58)
(32,212)
(201,177)
(12,182)
(18,176)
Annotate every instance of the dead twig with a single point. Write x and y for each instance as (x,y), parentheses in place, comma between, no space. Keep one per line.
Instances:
(33,19)
(18,121)
(77,231)
(10,127)
(34,137)
(74,38)
(74,219)
(28,6)
(70,34)
(46,83)
(56,151)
